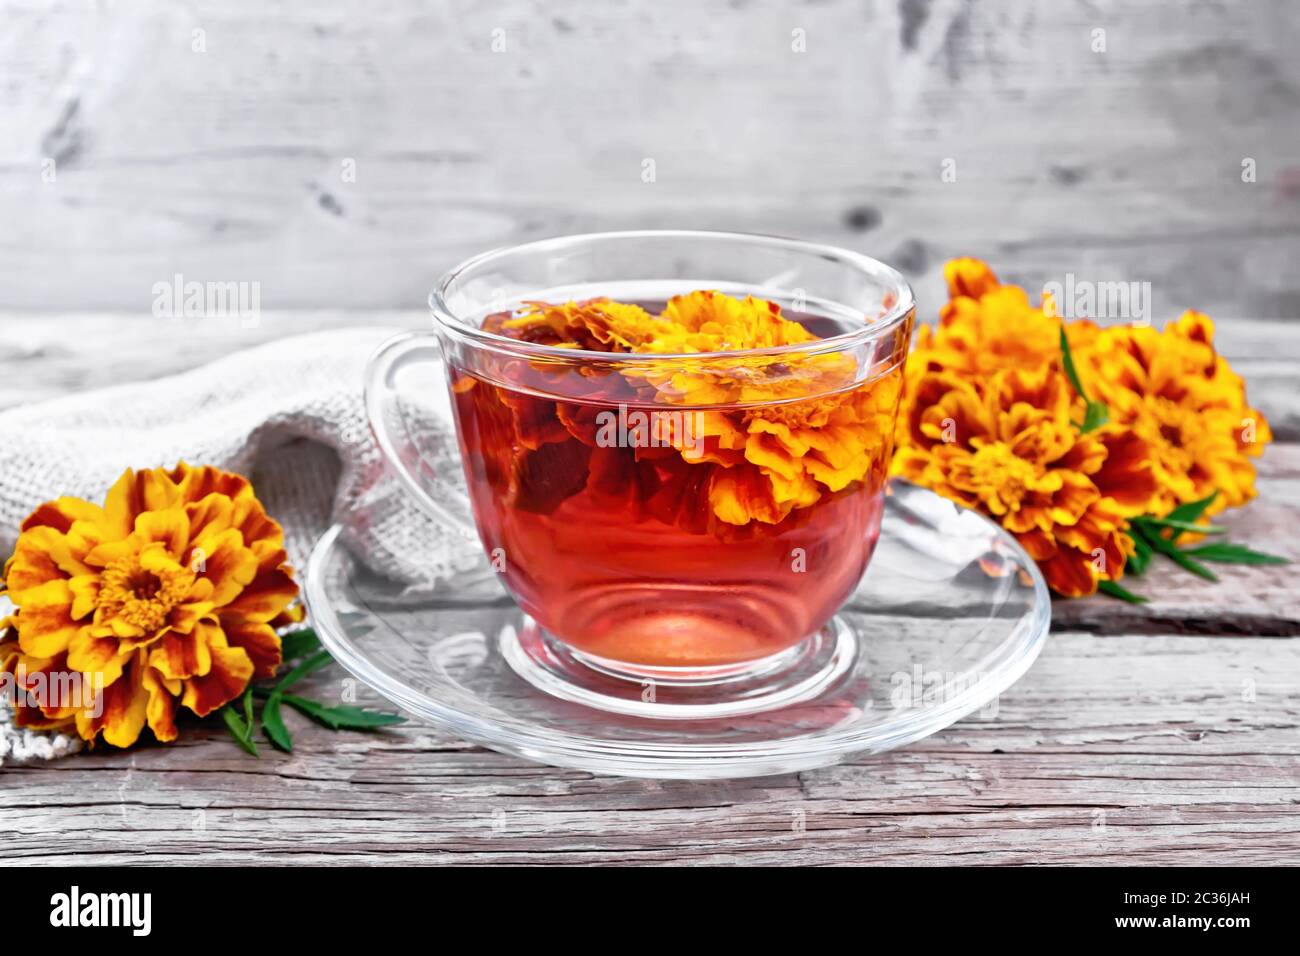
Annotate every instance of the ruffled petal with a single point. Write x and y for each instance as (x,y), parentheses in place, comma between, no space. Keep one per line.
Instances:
(134,493)
(44,621)
(740,495)
(258,639)
(223,560)
(196,483)
(231,671)
(161,708)
(61,514)
(170,528)
(178,656)
(969,277)
(103,656)
(120,708)
(269,593)
(209,515)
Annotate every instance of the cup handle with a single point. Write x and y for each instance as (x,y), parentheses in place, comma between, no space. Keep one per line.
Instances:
(432,474)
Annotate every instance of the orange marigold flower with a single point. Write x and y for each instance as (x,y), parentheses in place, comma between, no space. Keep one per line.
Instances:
(597,325)
(969,278)
(991,420)
(1175,391)
(169,593)
(985,327)
(805,425)
(1005,445)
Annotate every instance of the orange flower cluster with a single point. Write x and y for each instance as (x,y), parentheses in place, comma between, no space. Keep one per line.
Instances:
(1183,400)
(773,457)
(991,420)
(168,595)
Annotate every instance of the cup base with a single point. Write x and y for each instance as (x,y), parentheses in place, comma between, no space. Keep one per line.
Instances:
(794,675)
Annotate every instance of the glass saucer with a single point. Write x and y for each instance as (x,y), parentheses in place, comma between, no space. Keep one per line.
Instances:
(949,615)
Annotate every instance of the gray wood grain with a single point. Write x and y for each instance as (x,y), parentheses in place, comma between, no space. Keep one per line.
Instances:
(1130,741)
(1245,600)
(1133,749)
(829,121)
(1165,734)
(46,355)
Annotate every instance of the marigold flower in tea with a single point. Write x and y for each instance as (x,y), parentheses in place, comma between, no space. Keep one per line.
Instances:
(774,457)
(701,321)
(168,594)
(704,487)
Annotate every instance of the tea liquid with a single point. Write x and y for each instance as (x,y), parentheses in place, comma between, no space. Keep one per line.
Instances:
(614,546)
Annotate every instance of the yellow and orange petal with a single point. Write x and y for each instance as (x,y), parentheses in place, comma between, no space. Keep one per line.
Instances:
(119,713)
(1172,390)
(969,278)
(989,420)
(168,595)
(807,425)
(230,673)
(1006,445)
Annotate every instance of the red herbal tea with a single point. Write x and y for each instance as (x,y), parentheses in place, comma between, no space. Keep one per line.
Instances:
(697,512)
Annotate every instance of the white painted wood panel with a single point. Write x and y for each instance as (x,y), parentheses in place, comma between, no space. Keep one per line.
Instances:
(227,164)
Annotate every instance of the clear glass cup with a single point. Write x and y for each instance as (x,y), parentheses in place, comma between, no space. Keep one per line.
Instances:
(689,519)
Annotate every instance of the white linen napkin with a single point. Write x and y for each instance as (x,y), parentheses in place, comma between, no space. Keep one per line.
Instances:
(289,415)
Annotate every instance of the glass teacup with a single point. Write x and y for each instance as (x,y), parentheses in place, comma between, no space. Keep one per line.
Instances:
(694,518)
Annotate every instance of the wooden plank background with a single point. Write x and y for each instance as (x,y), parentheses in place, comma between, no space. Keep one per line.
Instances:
(1165,734)
(229,164)
(1127,749)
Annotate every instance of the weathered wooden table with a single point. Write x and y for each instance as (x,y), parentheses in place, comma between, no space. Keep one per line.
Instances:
(1168,733)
